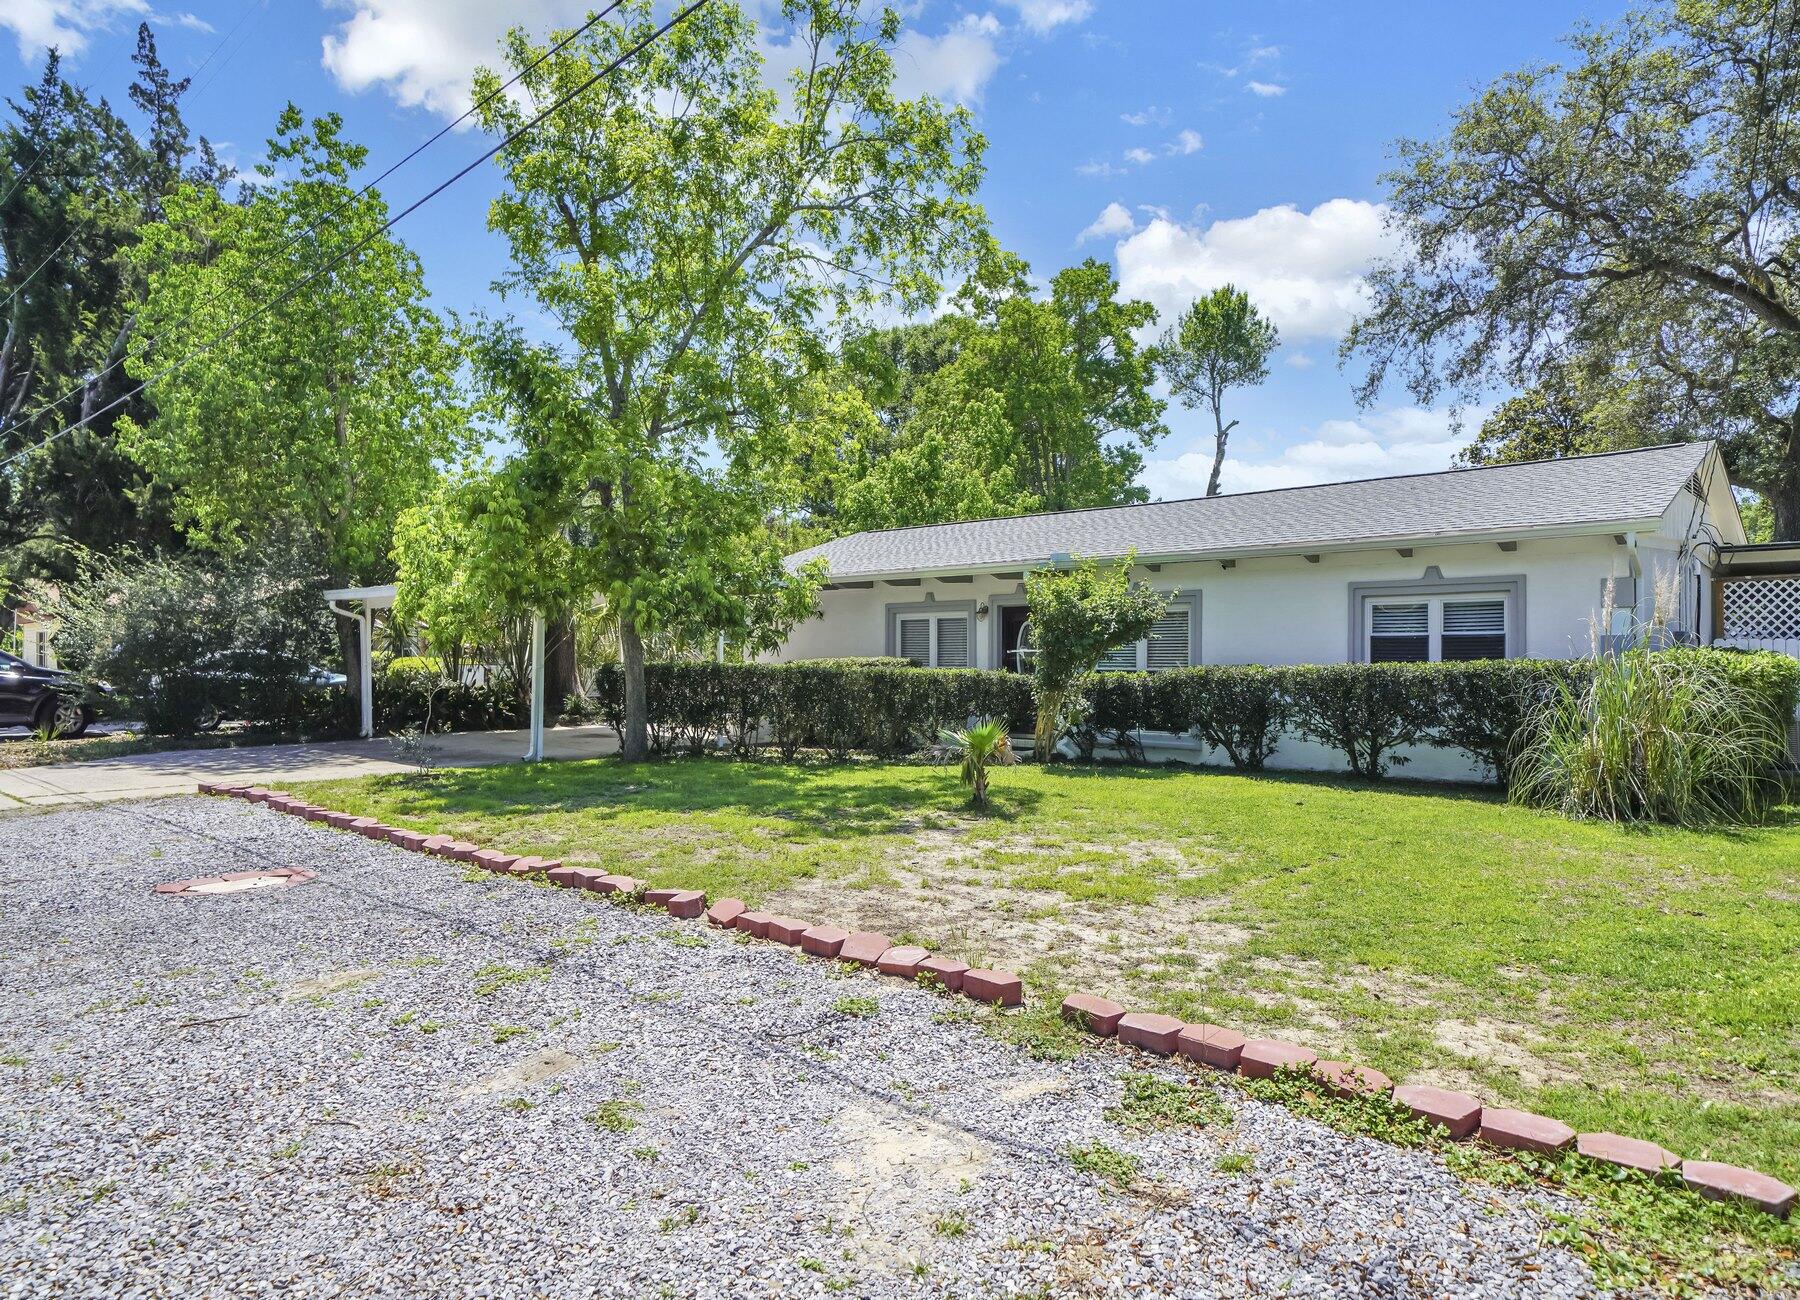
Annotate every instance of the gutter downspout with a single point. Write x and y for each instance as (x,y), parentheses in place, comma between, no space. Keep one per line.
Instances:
(365,652)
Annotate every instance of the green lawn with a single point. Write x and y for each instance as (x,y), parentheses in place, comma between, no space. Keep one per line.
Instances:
(1646,981)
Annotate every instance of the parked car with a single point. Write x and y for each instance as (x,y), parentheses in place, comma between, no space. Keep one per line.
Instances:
(230,679)
(45,699)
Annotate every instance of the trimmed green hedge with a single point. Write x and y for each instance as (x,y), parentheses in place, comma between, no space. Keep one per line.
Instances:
(1367,712)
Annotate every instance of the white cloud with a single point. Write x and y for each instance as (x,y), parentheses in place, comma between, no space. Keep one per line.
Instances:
(1152,116)
(1185,143)
(37,25)
(1304,269)
(423,52)
(1266,89)
(1395,440)
(1139,156)
(1299,360)
(1115,220)
(954,66)
(1042,16)
(1100,169)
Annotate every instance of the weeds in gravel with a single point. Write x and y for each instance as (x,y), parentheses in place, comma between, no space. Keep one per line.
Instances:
(952,1226)
(494,976)
(857,1007)
(506,1033)
(15,1060)
(618,1116)
(1156,1101)
(1119,1168)
(1633,1230)
(1039,1029)
(645,1153)
(518,1105)
(686,1219)
(1235,1162)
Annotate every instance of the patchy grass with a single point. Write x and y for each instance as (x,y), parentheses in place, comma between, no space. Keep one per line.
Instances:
(858,1008)
(1637,979)
(618,1116)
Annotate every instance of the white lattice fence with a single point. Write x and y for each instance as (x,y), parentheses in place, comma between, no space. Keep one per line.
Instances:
(1761,608)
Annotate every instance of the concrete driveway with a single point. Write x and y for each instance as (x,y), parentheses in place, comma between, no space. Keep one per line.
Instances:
(177,771)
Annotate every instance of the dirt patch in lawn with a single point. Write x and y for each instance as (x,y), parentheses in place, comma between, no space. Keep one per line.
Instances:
(1091,944)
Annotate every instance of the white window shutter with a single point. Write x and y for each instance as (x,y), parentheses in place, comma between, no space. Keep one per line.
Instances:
(1171,641)
(1120,659)
(915,640)
(953,642)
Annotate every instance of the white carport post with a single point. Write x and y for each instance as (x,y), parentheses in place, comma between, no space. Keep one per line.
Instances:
(371,599)
(535,753)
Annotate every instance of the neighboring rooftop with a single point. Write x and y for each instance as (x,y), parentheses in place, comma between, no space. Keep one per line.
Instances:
(1575,492)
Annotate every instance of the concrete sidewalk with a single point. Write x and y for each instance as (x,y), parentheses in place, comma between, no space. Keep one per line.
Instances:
(177,771)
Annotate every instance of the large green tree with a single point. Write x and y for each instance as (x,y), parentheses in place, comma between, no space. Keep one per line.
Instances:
(1633,215)
(697,235)
(1017,402)
(1221,342)
(77,183)
(324,399)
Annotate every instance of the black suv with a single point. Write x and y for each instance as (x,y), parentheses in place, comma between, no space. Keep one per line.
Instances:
(42,698)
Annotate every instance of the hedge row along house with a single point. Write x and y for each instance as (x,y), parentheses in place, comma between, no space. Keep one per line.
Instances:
(1535,560)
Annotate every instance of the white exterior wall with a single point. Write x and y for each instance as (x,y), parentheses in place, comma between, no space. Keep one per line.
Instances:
(1281,610)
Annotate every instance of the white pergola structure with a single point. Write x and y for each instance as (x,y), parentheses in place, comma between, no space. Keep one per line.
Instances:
(367,600)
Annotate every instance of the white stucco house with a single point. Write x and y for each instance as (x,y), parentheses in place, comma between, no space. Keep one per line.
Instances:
(1498,561)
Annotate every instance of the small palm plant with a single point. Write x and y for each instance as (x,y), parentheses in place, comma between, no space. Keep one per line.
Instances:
(979,746)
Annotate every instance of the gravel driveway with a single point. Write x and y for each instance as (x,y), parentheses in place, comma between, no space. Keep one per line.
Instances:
(395,1081)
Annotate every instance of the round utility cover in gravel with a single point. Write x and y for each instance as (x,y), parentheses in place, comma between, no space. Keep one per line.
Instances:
(403,1082)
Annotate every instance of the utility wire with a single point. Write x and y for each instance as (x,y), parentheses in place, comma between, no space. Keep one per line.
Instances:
(301,234)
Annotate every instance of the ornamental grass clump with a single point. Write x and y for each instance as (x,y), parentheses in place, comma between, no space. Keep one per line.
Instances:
(1685,737)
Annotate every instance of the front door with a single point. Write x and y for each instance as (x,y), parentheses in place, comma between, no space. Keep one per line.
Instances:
(1012,626)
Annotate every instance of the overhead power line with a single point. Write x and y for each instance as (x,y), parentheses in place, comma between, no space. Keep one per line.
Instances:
(329,215)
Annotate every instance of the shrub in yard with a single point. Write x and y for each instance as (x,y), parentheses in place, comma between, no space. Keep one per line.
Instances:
(1365,711)
(1483,707)
(413,692)
(1077,615)
(1241,709)
(1684,737)
(181,636)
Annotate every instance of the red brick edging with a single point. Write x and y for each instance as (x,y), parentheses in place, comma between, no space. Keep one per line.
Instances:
(1461,1116)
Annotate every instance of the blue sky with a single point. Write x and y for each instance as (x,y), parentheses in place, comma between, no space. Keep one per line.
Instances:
(1189,143)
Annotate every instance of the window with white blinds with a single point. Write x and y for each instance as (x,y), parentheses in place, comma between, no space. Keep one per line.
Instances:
(952,643)
(933,640)
(1400,633)
(1474,629)
(1169,645)
(1454,628)
(1171,642)
(915,639)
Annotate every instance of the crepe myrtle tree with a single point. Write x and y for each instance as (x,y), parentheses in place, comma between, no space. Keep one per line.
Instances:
(697,235)
(1076,615)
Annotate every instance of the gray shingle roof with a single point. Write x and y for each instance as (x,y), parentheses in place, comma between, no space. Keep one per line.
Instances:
(1614,487)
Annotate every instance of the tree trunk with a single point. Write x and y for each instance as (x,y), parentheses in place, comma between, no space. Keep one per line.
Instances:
(634,745)
(1049,709)
(560,680)
(1223,432)
(1784,498)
